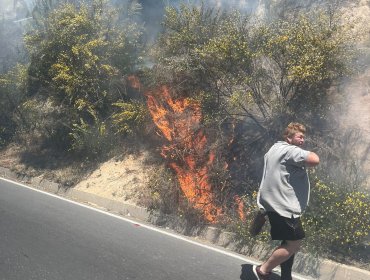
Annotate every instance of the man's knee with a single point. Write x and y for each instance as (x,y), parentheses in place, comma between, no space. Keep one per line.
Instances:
(293,246)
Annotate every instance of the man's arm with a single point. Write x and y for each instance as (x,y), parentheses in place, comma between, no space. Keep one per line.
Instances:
(312,159)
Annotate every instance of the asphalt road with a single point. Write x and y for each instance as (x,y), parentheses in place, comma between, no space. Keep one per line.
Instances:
(44,237)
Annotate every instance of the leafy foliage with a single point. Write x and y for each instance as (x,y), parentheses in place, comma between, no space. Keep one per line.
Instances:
(131,118)
(76,52)
(338,218)
(12,87)
(254,69)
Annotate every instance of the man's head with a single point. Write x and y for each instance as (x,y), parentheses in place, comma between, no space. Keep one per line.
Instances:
(294,134)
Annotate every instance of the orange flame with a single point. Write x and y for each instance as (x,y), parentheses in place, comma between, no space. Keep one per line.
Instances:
(179,122)
(240,208)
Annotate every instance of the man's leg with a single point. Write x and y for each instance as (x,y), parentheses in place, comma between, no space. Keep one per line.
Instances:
(281,254)
(286,269)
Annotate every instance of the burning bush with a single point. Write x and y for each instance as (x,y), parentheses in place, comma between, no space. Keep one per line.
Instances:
(186,152)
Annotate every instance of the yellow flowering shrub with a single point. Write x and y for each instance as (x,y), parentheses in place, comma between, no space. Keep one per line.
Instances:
(131,117)
(338,218)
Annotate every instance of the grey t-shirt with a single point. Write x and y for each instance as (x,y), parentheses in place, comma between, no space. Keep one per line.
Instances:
(285,187)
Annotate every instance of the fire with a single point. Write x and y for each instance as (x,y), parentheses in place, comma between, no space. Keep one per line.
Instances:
(179,121)
(240,208)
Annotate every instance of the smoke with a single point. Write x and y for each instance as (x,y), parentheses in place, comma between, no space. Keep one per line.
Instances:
(16,9)
(353,113)
(11,50)
(245,6)
(6,9)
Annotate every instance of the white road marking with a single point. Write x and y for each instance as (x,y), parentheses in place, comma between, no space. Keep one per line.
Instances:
(230,254)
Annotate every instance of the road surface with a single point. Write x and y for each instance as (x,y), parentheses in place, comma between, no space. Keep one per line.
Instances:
(46,237)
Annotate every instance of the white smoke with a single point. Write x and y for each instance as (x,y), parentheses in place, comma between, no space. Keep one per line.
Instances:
(244,6)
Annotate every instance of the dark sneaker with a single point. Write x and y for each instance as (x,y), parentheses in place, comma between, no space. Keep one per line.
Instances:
(259,275)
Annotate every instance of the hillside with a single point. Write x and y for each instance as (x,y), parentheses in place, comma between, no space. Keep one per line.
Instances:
(124,177)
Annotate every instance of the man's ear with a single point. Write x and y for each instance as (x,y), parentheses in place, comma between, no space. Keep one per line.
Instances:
(289,140)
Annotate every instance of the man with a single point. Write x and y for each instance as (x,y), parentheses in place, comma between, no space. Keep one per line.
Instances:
(284,194)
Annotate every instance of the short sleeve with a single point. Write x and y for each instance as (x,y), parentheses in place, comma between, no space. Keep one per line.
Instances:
(296,156)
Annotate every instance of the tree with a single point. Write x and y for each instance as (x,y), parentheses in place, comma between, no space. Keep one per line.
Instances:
(265,69)
(245,69)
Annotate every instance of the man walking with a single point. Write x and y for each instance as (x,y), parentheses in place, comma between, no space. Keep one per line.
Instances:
(284,193)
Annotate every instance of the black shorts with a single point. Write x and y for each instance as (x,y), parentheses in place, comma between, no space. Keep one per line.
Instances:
(283,228)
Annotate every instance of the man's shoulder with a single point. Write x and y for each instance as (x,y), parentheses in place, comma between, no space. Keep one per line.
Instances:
(282,143)
(285,145)
(282,147)
(278,148)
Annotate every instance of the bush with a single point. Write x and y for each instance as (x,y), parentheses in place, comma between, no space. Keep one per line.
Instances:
(76,52)
(131,118)
(91,140)
(163,193)
(44,124)
(337,220)
(12,91)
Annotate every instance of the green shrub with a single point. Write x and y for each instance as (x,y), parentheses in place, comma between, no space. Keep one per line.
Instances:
(76,52)
(91,140)
(12,93)
(131,118)
(337,220)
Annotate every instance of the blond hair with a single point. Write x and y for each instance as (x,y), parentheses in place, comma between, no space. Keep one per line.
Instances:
(292,129)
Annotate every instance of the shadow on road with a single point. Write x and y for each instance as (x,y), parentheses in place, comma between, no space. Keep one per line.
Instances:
(247,273)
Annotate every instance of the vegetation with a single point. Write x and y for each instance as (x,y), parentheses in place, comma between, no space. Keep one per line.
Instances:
(336,207)
(12,88)
(251,78)
(254,69)
(132,117)
(77,55)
